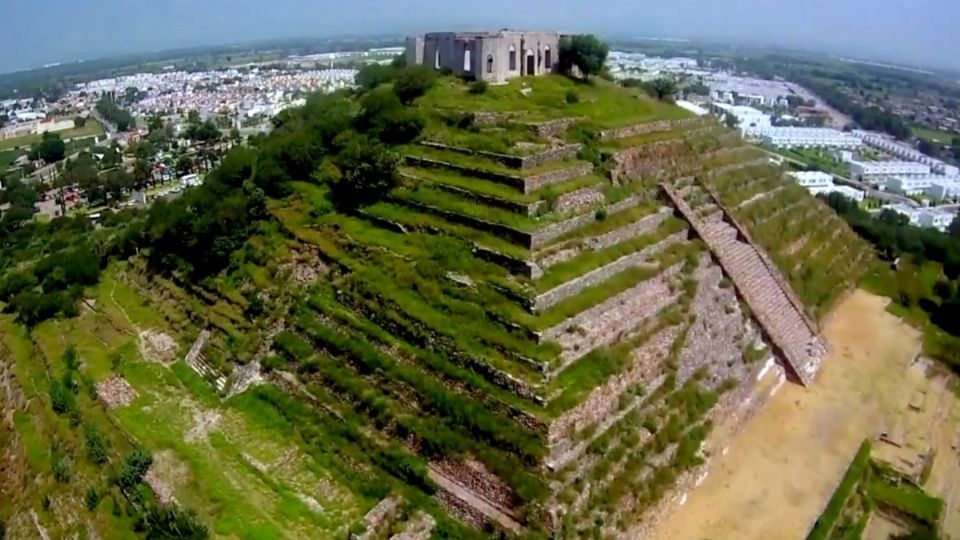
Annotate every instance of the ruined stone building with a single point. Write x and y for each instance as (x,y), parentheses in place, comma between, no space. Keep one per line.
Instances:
(494,57)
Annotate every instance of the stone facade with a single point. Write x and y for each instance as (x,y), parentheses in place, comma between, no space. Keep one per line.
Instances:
(494,57)
(602,274)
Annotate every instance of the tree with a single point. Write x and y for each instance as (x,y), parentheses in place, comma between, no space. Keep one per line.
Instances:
(79,121)
(368,171)
(373,75)
(413,82)
(51,148)
(586,52)
(663,88)
(954,229)
(142,173)
(184,164)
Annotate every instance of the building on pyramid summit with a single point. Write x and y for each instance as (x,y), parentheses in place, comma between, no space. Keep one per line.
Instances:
(493,57)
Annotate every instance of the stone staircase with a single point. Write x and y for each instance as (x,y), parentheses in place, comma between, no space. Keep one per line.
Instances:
(767,294)
(199,364)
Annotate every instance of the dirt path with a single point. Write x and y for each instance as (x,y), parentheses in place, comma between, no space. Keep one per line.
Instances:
(775,477)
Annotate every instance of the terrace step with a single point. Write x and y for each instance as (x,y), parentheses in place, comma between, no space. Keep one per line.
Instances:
(196,361)
(469,506)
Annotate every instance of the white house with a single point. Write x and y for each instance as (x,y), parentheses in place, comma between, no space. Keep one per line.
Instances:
(818,183)
(800,137)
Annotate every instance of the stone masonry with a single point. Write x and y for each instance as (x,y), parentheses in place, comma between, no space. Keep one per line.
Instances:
(602,274)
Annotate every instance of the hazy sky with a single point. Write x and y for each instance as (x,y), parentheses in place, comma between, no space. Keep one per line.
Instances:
(34,32)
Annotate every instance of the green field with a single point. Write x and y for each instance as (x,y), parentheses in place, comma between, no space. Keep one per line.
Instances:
(933,135)
(92,128)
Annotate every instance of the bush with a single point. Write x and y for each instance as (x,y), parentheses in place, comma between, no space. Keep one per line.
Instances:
(413,82)
(61,469)
(479,88)
(135,465)
(601,214)
(92,498)
(572,97)
(96,449)
(169,523)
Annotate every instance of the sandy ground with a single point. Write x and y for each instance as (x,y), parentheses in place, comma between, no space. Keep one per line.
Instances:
(776,476)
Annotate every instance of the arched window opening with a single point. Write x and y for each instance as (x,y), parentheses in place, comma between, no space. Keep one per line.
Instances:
(436,61)
(513,58)
(467,64)
(531,63)
(547,58)
(489,63)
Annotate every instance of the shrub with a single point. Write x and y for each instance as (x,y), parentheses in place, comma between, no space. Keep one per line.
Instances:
(601,214)
(61,469)
(169,523)
(92,498)
(413,82)
(572,97)
(96,449)
(135,465)
(479,87)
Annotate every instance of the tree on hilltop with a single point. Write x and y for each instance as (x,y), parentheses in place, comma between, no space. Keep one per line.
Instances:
(368,170)
(586,52)
(413,82)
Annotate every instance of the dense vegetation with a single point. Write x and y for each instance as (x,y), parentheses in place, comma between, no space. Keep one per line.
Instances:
(112,113)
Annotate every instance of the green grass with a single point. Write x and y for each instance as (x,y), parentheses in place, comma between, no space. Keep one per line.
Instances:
(907,498)
(90,129)
(605,103)
(461,205)
(933,135)
(851,479)
(608,224)
(593,296)
(591,260)
(485,163)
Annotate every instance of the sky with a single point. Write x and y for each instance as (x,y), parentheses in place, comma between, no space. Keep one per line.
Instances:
(917,32)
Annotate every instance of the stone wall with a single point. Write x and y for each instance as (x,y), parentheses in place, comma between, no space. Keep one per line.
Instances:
(553,154)
(654,159)
(475,477)
(571,248)
(527,209)
(535,182)
(510,234)
(500,178)
(605,398)
(613,319)
(554,128)
(598,276)
(490,118)
(647,127)
(550,232)
(556,153)
(578,201)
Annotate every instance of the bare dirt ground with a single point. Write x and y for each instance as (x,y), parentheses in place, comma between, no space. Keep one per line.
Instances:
(777,474)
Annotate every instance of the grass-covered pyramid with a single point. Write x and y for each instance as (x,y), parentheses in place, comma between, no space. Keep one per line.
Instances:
(534,329)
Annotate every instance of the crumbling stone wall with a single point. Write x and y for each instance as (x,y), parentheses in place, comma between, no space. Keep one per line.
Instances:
(578,201)
(605,398)
(475,477)
(535,182)
(571,248)
(647,127)
(602,274)
(550,232)
(655,159)
(554,128)
(612,319)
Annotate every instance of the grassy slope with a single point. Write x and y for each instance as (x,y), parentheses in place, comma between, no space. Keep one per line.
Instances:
(215,475)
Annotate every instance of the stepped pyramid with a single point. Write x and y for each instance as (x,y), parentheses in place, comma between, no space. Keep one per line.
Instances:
(560,299)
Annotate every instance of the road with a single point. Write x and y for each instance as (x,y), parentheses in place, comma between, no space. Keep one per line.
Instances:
(871,192)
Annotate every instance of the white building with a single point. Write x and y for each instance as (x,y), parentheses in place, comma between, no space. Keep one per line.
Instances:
(692,107)
(818,183)
(804,137)
(865,170)
(902,151)
(750,120)
(924,217)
